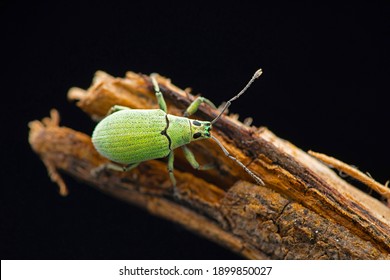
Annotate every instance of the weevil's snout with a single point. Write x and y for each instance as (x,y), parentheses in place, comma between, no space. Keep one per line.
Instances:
(200,130)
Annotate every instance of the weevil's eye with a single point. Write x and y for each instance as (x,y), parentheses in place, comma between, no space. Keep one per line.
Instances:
(197,135)
(207,134)
(196,123)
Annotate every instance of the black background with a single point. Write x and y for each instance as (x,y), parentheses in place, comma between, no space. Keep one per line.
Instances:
(325,87)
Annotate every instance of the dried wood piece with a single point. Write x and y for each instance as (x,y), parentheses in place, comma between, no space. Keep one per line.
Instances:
(305,211)
(355,173)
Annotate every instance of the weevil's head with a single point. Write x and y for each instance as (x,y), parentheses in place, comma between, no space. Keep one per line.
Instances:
(200,130)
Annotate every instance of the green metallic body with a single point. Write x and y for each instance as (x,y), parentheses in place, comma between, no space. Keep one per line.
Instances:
(132,136)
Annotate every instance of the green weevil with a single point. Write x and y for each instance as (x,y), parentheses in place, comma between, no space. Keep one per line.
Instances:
(131,136)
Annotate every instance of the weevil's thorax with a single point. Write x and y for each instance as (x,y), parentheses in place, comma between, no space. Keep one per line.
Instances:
(200,130)
(181,131)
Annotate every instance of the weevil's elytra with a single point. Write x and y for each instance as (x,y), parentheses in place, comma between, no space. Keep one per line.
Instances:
(130,136)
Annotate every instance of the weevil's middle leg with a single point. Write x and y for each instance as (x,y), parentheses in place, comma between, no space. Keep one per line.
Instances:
(171,158)
(159,95)
(191,159)
(194,106)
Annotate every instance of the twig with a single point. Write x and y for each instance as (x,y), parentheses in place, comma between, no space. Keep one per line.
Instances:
(353,172)
(305,211)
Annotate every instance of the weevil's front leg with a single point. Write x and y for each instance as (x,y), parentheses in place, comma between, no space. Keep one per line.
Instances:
(159,96)
(117,108)
(113,166)
(191,159)
(194,106)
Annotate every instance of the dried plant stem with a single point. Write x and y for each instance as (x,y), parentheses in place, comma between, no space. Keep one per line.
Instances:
(303,211)
(353,172)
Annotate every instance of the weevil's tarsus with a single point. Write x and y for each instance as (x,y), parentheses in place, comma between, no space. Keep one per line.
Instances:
(229,102)
(191,159)
(256,178)
(160,98)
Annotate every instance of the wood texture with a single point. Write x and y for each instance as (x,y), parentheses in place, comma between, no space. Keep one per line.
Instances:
(305,211)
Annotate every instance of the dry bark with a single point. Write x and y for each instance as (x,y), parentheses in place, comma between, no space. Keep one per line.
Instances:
(304,211)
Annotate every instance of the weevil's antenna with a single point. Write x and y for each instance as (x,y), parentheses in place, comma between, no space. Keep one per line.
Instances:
(257,179)
(254,77)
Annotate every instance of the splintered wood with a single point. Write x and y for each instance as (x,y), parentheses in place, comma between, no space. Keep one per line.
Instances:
(304,211)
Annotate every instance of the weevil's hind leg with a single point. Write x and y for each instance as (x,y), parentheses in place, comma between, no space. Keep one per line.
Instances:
(113,166)
(130,166)
(117,108)
(191,159)
(159,96)
(194,106)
